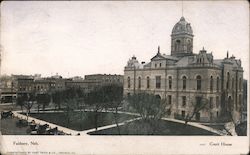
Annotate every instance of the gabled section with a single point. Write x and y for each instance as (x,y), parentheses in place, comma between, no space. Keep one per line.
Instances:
(158,56)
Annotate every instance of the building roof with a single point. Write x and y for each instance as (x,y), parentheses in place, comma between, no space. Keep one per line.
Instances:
(182,27)
(160,56)
(184,61)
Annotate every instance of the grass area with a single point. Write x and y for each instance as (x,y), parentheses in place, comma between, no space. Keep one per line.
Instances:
(81,120)
(8,127)
(160,127)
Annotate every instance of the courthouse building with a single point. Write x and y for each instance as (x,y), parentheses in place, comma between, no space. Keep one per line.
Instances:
(186,79)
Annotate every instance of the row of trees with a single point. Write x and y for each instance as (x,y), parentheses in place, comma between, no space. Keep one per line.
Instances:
(69,100)
(27,100)
(150,107)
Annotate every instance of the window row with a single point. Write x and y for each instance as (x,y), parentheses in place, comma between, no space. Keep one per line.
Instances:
(200,101)
(170,82)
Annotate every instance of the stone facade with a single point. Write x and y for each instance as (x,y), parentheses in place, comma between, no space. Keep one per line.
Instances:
(186,79)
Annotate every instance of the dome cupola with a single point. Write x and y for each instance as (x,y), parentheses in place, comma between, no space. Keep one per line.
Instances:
(182,39)
(182,27)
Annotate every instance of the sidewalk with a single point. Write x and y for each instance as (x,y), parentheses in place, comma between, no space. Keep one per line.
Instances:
(109,126)
(198,125)
(70,131)
(38,121)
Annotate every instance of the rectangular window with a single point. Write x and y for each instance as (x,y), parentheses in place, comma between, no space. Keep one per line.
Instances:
(128,82)
(169,99)
(170,83)
(158,82)
(184,101)
(211,84)
(217,84)
(148,82)
(211,102)
(183,113)
(217,101)
(198,101)
(198,78)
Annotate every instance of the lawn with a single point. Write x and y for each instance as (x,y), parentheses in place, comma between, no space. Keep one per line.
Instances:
(81,120)
(161,127)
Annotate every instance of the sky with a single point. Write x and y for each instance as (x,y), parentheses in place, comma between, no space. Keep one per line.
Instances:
(76,38)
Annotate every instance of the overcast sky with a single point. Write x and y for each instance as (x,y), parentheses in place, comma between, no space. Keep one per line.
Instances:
(81,37)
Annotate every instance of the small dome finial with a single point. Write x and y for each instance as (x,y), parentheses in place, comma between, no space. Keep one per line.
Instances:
(133,57)
(227,54)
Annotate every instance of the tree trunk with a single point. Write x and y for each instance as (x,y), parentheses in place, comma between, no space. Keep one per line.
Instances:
(43,107)
(189,118)
(96,117)
(38,108)
(27,114)
(116,121)
(68,120)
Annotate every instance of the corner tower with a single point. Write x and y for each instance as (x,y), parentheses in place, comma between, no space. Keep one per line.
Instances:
(182,39)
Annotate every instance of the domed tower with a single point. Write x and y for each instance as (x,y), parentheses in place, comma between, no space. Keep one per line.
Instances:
(182,39)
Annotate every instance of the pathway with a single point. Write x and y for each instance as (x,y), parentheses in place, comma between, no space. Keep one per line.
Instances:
(198,125)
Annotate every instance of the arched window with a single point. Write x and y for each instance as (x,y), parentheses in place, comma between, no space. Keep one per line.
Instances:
(139,82)
(128,82)
(228,78)
(217,84)
(198,81)
(170,82)
(177,45)
(148,82)
(184,82)
(211,83)
(158,82)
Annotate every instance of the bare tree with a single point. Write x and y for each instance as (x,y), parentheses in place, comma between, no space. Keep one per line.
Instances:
(57,98)
(42,99)
(28,101)
(69,103)
(150,107)
(114,95)
(95,99)
(199,105)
